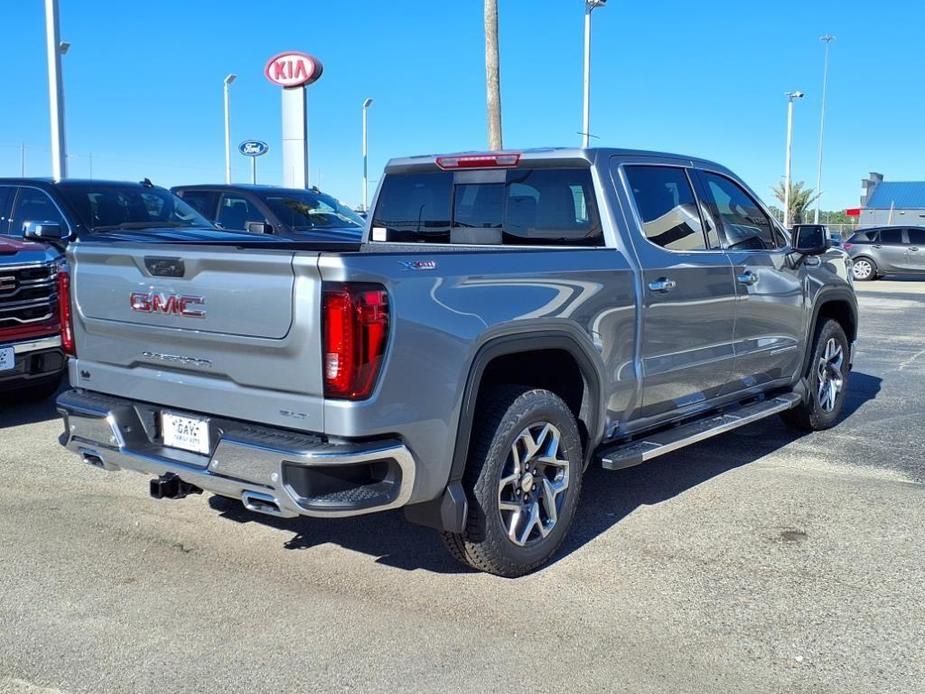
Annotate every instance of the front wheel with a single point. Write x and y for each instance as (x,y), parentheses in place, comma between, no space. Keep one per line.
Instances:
(828,380)
(523,480)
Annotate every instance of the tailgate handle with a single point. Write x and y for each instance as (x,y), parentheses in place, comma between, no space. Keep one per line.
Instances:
(165,267)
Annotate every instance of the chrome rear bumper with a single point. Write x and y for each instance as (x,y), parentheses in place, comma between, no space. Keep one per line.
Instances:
(272,471)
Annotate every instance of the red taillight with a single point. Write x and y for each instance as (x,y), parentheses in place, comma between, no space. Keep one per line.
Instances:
(356,329)
(64,312)
(480,161)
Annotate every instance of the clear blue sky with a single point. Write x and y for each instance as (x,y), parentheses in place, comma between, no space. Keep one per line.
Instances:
(144,84)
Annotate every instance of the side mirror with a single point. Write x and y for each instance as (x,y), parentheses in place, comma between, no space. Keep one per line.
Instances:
(259,228)
(810,239)
(44,231)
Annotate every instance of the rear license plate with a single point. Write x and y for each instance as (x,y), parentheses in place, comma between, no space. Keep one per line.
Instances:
(7,358)
(187,433)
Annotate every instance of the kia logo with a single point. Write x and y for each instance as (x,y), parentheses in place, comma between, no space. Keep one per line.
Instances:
(293,69)
(171,304)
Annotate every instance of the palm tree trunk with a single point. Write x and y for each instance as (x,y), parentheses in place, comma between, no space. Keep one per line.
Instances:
(492,74)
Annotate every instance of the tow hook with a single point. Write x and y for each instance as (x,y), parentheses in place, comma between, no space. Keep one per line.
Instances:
(170,486)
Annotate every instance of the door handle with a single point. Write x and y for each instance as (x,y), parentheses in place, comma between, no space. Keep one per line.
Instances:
(748,278)
(662,285)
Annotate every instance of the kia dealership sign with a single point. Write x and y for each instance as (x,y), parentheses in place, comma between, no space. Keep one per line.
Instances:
(293,69)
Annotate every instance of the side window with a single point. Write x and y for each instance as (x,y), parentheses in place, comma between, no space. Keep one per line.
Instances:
(6,199)
(746,227)
(235,212)
(668,208)
(33,205)
(891,237)
(203,201)
(916,237)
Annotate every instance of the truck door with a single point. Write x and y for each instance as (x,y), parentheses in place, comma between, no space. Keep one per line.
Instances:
(688,291)
(769,315)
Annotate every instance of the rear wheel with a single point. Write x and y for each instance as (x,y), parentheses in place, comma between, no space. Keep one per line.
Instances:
(864,269)
(522,480)
(828,380)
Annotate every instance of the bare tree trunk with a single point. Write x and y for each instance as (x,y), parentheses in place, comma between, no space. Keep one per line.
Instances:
(492,74)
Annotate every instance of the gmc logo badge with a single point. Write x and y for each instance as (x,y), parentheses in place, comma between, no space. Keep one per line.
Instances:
(171,304)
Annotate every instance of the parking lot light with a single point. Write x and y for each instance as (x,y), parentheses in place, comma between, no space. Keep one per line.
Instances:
(791,97)
(366,104)
(228,80)
(590,6)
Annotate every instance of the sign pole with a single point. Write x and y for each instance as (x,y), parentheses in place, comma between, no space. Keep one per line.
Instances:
(253,169)
(294,71)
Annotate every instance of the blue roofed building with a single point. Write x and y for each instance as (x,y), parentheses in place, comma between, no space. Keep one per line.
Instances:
(892,202)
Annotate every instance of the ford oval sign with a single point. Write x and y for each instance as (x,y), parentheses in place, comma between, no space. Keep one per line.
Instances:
(253,148)
(293,69)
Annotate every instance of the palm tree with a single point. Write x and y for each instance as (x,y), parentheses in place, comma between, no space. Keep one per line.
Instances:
(801,198)
(492,74)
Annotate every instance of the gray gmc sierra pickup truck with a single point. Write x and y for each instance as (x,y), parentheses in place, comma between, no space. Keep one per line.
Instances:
(506,320)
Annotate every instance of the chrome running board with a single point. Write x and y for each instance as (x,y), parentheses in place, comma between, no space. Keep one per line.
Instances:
(650,446)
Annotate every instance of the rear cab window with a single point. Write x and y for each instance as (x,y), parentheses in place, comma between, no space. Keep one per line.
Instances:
(517,206)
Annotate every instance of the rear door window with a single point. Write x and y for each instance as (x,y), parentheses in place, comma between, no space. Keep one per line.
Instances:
(203,201)
(745,225)
(667,207)
(891,237)
(511,207)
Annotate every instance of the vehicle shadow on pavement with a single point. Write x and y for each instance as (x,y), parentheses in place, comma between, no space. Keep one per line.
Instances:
(607,497)
(16,410)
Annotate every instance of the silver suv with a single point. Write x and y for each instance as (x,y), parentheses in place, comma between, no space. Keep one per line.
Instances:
(887,251)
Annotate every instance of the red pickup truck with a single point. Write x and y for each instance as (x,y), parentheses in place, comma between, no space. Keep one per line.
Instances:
(32,361)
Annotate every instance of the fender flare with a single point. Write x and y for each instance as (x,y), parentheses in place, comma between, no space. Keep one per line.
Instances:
(827,296)
(448,512)
(571,341)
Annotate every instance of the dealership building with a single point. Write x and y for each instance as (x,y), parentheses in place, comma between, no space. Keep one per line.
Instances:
(891,202)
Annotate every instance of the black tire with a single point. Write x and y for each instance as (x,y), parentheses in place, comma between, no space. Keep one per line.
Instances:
(860,262)
(507,415)
(815,414)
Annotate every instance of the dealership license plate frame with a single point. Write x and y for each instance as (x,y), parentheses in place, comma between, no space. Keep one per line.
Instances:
(176,432)
(7,359)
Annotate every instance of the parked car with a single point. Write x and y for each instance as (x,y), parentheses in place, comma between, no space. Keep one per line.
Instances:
(880,251)
(32,362)
(73,208)
(506,320)
(289,212)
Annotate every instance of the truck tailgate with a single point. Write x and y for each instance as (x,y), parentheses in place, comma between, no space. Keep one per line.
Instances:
(210,329)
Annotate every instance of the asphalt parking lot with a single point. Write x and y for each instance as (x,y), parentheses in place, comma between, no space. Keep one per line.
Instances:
(759,561)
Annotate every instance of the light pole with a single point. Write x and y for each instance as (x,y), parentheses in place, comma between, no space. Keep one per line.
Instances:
(791,97)
(590,6)
(228,80)
(55,49)
(366,105)
(826,39)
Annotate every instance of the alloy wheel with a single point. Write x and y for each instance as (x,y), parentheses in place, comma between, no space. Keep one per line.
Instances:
(830,374)
(530,492)
(862,269)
